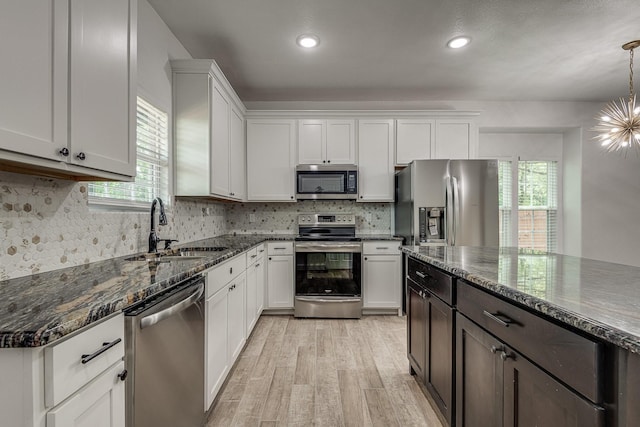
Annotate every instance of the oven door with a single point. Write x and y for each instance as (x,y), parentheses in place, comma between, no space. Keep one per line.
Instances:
(328,279)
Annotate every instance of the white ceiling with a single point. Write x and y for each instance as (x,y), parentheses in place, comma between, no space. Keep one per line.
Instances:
(391,50)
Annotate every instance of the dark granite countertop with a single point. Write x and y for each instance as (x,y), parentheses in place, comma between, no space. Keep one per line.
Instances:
(36,310)
(599,298)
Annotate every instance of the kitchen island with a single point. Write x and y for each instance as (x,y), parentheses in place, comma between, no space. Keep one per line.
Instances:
(574,322)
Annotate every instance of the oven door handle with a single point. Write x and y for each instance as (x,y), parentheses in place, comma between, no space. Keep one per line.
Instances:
(340,300)
(328,247)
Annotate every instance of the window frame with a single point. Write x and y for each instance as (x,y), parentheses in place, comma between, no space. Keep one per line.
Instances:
(515,207)
(117,205)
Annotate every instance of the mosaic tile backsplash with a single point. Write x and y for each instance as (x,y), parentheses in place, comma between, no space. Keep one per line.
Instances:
(46,224)
(371,218)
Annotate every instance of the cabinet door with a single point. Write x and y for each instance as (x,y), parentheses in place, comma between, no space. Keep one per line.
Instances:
(341,142)
(375,160)
(216,345)
(439,361)
(260,288)
(220,121)
(453,139)
(236,328)
(238,157)
(414,138)
(416,332)
(102,85)
(99,404)
(280,281)
(381,281)
(251,308)
(33,105)
(479,386)
(311,141)
(270,160)
(534,398)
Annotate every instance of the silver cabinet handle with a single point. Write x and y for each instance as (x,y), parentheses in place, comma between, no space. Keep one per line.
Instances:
(421,275)
(86,358)
(152,319)
(382,247)
(499,318)
(253,256)
(279,249)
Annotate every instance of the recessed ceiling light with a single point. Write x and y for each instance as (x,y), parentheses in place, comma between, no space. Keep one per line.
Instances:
(308,40)
(458,42)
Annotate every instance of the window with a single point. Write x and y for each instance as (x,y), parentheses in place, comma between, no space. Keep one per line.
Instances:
(535,225)
(152,167)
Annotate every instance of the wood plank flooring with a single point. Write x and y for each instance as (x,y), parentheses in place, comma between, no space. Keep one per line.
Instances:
(323,372)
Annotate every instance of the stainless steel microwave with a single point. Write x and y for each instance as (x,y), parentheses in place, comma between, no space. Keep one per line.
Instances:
(328,182)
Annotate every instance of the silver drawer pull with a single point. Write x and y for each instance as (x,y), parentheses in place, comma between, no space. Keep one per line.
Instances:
(500,318)
(86,358)
(253,256)
(279,249)
(257,265)
(421,275)
(382,247)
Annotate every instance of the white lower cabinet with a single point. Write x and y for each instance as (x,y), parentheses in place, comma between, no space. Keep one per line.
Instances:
(216,349)
(236,319)
(99,404)
(224,322)
(255,287)
(280,280)
(76,381)
(381,275)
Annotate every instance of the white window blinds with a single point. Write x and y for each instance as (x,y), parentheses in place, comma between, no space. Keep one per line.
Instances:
(152,166)
(528,195)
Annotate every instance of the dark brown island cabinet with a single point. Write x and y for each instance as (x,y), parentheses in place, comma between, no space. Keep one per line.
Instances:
(489,361)
(430,332)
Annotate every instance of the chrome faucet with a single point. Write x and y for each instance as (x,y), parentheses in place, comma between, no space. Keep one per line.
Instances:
(162,220)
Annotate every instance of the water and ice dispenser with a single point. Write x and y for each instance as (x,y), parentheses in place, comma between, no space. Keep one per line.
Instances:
(431,225)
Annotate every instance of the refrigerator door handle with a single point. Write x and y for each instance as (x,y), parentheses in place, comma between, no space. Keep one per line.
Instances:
(449,211)
(456,209)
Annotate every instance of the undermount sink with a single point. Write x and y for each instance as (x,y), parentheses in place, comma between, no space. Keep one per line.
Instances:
(182,254)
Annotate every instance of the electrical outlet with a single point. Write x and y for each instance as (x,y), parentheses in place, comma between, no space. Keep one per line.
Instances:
(252,217)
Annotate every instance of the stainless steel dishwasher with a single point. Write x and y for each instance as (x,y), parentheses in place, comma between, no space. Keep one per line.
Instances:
(164,343)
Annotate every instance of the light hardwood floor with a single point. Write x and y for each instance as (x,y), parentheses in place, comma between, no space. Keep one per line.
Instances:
(323,372)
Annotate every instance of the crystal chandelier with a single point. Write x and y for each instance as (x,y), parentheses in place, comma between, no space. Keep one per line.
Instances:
(619,125)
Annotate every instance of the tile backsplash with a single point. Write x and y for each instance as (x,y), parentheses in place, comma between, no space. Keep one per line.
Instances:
(371,218)
(46,224)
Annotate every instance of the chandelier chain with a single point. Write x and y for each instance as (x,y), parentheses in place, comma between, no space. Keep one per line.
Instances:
(630,74)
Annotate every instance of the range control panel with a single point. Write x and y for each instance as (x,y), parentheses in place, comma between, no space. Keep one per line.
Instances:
(332,219)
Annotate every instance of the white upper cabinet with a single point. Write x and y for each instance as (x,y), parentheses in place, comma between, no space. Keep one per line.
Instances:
(209,132)
(68,91)
(326,141)
(414,139)
(375,160)
(455,139)
(271,149)
(237,163)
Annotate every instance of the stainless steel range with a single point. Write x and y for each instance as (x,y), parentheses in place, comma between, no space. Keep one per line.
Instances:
(328,267)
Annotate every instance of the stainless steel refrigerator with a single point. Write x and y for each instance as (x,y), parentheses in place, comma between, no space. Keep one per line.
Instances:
(447,203)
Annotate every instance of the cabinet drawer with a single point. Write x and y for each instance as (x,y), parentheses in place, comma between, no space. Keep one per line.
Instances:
(572,358)
(64,369)
(225,272)
(280,248)
(386,247)
(252,256)
(261,249)
(437,281)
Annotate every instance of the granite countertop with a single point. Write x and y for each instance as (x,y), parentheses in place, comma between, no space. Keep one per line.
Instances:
(599,298)
(39,309)
(36,310)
